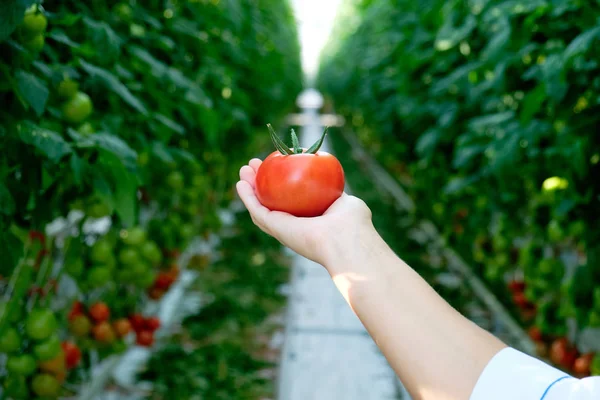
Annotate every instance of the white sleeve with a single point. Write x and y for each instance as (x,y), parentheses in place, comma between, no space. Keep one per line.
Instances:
(513,375)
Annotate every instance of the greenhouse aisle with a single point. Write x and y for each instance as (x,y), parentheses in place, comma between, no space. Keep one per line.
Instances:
(327,354)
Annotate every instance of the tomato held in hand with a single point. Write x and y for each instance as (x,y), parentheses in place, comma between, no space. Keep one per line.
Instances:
(298,182)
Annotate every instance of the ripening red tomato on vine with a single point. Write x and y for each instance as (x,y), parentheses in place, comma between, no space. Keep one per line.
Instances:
(304,183)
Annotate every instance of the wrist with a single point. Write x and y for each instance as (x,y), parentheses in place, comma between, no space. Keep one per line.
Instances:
(353,250)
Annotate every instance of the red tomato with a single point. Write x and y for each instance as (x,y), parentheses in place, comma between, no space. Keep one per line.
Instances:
(145,338)
(156,293)
(72,354)
(137,322)
(163,281)
(535,334)
(122,327)
(562,353)
(76,310)
(99,312)
(304,185)
(520,300)
(582,364)
(516,286)
(152,324)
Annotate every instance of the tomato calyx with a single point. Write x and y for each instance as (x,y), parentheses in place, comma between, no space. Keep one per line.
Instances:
(296,149)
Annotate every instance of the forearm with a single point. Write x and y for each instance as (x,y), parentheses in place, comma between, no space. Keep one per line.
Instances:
(437,353)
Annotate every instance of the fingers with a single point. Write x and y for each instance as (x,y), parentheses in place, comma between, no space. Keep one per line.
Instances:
(255,164)
(256,210)
(248,174)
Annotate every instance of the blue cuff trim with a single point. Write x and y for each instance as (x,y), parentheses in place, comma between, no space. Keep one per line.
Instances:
(552,384)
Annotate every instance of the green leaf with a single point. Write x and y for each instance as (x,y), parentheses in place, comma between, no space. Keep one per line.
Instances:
(169,123)
(277,142)
(125,197)
(157,68)
(479,124)
(532,103)
(315,147)
(458,184)
(160,151)
(50,143)
(62,37)
(113,83)
(581,43)
(11,16)
(465,154)
(116,146)
(117,186)
(427,143)
(7,203)
(33,90)
(106,42)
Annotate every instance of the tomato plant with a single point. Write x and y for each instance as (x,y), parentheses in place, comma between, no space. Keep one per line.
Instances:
(300,182)
(120,117)
(462,114)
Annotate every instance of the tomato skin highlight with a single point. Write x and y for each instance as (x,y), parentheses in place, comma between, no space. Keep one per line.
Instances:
(304,185)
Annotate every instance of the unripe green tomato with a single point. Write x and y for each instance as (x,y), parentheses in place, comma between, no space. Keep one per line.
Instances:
(124,12)
(594,319)
(40,324)
(102,251)
(139,268)
(67,89)
(555,232)
(86,129)
(23,365)
(48,349)
(34,44)
(175,180)
(80,326)
(135,236)
(78,108)
(98,209)
(146,279)
(98,276)
(34,21)
(129,256)
(187,231)
(45,385)
(74,267)
(143,159)
(10,341)
(151,252)
(125,276)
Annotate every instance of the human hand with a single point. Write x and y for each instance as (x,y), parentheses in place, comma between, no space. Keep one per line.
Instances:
(346,221)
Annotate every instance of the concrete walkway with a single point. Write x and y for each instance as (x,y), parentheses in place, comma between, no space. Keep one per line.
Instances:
(327,354)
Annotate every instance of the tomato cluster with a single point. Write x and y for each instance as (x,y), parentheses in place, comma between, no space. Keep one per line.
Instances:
(38,362)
